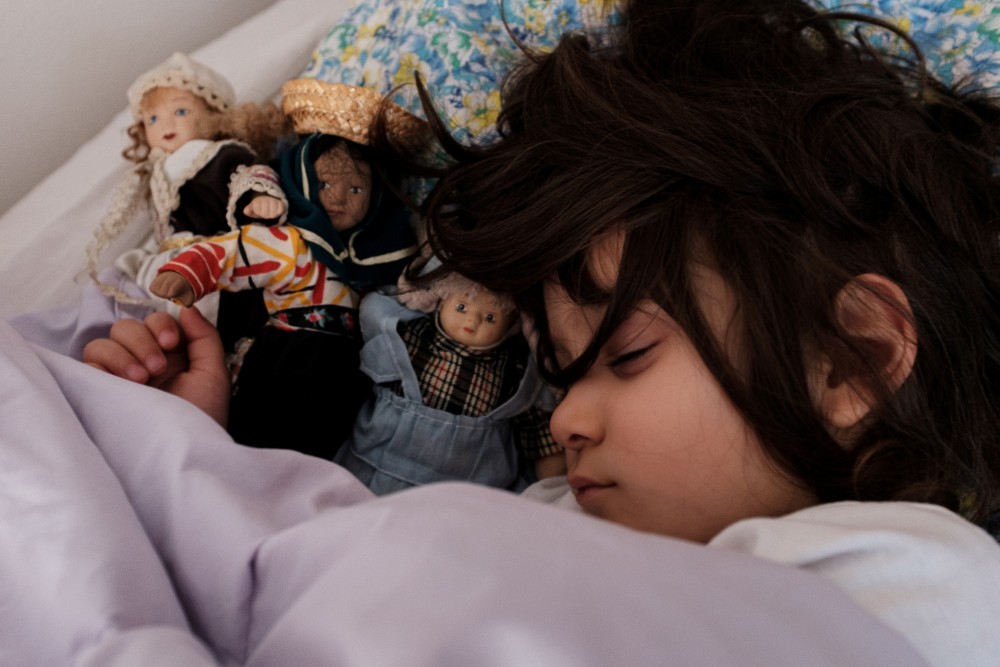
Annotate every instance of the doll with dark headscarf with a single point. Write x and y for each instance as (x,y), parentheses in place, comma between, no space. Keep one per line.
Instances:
(346,232)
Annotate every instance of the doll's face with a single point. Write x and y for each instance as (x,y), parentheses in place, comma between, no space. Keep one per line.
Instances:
(172,117)
(474,321)
(345,187)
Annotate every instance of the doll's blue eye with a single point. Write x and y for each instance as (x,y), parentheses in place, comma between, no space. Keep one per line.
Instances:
(355,190)
(460,308)
(152,120)
(181,112)
(491,318)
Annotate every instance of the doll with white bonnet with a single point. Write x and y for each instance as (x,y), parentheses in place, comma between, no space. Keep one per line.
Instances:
(299,384)
(194,153)
(457,395)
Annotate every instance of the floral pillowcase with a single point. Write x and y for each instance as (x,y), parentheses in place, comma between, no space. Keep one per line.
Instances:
(959,38)
(462,49)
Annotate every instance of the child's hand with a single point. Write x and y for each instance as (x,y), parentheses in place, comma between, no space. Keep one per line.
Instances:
(183,358)
(264,207)
(172,285)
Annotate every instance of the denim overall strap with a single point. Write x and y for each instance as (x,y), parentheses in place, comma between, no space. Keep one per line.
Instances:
(384,357)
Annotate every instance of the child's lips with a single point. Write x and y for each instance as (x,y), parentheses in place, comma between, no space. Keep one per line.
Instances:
(586,490)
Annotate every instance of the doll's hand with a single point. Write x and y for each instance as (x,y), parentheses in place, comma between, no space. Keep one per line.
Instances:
(416,298)
(183,358)
(264,207)
(172,285)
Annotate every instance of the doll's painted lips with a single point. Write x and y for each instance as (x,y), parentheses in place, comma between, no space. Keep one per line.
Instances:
(169,136)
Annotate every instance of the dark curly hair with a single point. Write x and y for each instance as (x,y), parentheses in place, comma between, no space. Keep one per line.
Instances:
(762,136)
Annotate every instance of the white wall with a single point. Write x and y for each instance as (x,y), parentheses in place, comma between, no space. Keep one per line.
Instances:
(64,78)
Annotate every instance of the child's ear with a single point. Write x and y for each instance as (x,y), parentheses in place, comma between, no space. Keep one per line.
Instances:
(875,314)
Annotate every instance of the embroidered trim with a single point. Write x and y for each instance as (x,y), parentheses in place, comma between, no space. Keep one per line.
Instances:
(328,319)
(178,241)
(381,259)
(254,178)
(312,237)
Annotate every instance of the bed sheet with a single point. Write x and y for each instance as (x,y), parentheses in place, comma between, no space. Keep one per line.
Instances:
(146,536)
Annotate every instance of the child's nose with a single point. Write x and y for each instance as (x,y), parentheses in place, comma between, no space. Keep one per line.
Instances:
(576,422)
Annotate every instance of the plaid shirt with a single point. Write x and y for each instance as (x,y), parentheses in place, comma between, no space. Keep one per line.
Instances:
(462,381)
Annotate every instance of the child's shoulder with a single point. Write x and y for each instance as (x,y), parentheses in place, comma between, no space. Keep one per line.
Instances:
(856,526)
(922,569)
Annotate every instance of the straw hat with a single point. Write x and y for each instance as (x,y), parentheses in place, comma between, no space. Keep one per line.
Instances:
(346,111)
(180,71)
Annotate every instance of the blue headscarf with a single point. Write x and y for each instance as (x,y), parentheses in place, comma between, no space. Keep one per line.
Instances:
(372,253)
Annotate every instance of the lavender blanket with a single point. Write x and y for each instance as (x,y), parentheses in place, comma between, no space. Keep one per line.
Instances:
(134,531)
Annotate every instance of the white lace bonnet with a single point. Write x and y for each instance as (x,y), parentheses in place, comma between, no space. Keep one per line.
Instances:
(180,71)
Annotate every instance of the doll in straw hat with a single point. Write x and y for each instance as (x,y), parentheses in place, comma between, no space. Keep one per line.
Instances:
(193,152)
(345,232)
(457,395)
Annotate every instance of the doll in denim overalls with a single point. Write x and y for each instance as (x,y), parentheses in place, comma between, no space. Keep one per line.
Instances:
(457,394)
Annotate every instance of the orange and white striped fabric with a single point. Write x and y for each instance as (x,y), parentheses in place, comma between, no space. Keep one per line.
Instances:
(276,259)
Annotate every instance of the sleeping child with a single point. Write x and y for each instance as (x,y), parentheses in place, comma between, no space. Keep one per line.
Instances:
(761,257)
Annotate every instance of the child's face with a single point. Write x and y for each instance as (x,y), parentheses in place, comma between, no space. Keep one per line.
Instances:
(345,187)
(652,441)
(474,321)
(171,117)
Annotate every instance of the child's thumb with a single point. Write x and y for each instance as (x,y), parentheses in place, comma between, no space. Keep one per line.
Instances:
(204,345)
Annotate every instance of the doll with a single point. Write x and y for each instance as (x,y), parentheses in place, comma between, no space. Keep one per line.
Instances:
(346,232)
(194,154)
(457,395)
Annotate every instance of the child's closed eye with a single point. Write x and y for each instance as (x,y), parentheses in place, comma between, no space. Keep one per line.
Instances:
(632,361)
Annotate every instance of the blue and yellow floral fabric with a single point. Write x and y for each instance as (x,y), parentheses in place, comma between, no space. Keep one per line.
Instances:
(462,49)
(959,38)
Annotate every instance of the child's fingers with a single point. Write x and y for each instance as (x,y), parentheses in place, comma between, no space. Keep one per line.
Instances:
(143,342)
(110,356)
(166,331)
(204,346)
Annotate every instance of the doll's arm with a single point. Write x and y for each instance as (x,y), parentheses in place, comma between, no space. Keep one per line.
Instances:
(172,285)
(274,258)
(255,194)
(196,271)
(534,439)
